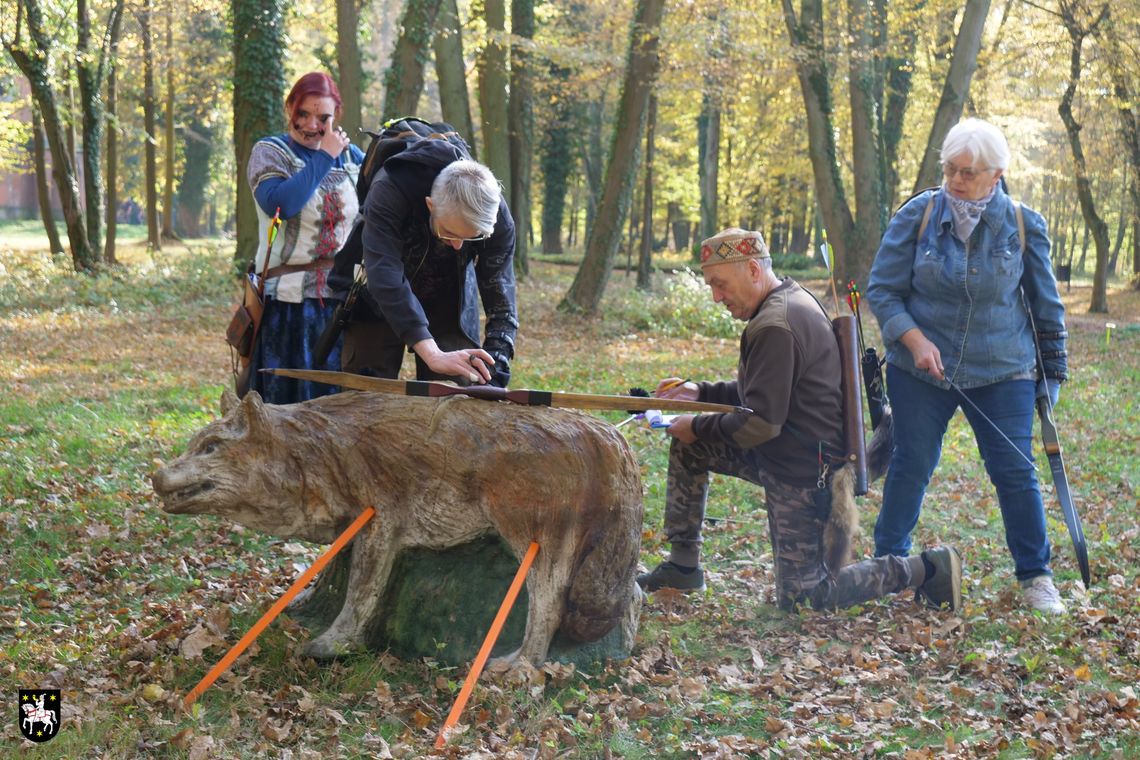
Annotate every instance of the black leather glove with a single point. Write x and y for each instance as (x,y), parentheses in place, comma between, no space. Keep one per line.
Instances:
(501,372)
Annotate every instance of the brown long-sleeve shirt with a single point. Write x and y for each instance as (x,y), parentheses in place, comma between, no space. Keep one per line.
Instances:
(789,375)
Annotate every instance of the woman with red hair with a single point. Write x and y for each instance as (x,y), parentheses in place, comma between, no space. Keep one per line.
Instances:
(307,177)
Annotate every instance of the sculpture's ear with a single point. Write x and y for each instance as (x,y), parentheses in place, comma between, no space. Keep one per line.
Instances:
(257,420)
(229,401)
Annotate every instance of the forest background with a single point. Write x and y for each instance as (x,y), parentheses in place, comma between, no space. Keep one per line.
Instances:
(660,121)
(623,132)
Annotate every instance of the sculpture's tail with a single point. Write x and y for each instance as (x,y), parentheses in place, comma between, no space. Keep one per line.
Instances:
(602,581)
(600,590)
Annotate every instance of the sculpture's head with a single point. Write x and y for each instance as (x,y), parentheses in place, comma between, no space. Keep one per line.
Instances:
(239,467)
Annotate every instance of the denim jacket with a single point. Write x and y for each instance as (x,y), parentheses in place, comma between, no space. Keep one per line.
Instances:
(965,297)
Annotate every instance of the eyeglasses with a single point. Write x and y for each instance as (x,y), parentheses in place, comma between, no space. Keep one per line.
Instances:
(967,173)
(453,239)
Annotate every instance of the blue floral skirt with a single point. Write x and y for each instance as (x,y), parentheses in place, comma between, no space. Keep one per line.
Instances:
(288,337)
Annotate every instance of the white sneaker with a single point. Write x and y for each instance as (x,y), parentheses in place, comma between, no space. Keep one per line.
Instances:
(1040,594)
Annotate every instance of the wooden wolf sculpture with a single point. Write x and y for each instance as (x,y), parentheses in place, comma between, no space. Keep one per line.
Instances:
(440,472)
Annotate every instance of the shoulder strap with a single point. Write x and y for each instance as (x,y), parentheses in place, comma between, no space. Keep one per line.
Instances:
(1020,225)
(925,217)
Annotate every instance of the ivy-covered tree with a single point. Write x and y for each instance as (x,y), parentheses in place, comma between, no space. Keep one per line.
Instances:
(451,72)
(33,49)
(493,87)
(521,122)
(404,80)
(556,158)
(258,101)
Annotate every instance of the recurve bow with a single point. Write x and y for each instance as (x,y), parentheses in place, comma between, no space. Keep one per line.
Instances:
(493,393)
(1052,445)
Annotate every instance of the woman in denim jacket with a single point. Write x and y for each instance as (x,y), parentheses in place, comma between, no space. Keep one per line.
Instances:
(957,334)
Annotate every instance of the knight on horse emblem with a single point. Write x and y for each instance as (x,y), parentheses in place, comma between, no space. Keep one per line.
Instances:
(39,713)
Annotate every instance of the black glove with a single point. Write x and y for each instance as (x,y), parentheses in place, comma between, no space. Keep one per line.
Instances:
(501,372)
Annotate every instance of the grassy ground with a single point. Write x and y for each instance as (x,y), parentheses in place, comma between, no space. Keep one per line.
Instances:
(104,596)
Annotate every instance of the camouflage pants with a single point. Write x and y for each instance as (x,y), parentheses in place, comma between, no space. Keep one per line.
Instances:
(794,528)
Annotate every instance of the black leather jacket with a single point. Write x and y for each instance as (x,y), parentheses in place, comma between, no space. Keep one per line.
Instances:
(396,235)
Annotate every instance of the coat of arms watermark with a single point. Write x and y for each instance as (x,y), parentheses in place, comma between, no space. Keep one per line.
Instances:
(39,713)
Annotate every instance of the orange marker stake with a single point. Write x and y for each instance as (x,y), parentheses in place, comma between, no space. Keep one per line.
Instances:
(488,644)
(276,609)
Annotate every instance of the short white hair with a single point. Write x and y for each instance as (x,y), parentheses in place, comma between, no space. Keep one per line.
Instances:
(984,142)
(469,190)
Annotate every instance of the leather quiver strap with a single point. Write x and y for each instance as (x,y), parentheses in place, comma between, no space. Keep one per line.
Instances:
(284,269)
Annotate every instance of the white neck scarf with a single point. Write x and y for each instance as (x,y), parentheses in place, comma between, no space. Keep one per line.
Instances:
(967,213)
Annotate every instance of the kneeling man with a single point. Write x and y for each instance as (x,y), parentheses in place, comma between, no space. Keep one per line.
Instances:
(789,376)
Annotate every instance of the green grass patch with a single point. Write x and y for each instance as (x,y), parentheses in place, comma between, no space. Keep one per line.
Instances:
(109,374)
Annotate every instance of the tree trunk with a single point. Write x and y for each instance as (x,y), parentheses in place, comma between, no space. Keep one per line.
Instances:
(866,138)
(521,121)
(35,64)
(1077,34)
(350,73)
(451,71)
(806,35)
(112,114)
(493,85)
(1136,250)
(900,69)
(404,80)
(43,192)
(1084,248)
(708,164)
(198,132)
(198,149)
(259,95)
(955,90)
(1130,134)
(575,203)
(1121,228)
(168,133)
(89,67)
(589,284)
(557,159)
(799,212)
(679,226)
(645,260)
(150,126)
(631,231)
(593,159)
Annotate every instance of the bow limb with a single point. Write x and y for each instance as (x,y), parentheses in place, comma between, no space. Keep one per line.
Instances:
(1052,445)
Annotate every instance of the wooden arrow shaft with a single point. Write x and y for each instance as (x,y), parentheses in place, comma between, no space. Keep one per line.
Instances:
(492,393)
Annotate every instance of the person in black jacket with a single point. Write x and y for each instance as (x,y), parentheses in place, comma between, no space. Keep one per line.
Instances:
(437,234)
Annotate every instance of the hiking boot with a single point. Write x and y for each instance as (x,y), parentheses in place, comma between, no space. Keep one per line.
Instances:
(668,575)
(945,586)
(1040,594)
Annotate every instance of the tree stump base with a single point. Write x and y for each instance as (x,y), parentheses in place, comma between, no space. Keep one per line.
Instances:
(440,605)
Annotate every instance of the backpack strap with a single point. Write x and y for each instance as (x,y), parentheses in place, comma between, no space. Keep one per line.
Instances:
(925,217)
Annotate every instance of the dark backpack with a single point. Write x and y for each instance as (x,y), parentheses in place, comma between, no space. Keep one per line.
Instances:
(394,136)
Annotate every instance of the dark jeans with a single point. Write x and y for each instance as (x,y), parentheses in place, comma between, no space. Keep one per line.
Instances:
(921,413)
